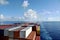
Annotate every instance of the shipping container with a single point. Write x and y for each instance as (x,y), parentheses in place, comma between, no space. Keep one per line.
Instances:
(2,30)
(15,33)
(8,29)
(4,37)
(24,33)
(32,36)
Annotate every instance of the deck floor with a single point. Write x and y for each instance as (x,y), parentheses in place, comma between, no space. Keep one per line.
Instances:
(38,38)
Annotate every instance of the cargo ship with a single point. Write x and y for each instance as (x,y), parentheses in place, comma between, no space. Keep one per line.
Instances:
(20,31)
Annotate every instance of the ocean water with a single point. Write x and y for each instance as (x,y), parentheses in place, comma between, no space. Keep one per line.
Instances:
(7,22)
(10,22)
(50,30)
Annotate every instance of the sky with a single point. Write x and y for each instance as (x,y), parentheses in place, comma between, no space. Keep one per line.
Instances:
(30,9)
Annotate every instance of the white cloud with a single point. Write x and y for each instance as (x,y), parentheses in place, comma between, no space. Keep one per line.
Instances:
(53,19)
(19,18)
(50,15)
(25,4)
(31,15)
(3,2)
(1,16)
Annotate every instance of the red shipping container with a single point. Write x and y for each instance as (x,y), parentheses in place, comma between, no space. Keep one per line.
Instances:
(4,37)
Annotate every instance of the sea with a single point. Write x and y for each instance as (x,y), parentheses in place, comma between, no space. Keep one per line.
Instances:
(10,22)
(49,30)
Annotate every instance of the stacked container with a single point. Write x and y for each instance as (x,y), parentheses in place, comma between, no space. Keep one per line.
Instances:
(18,33)
(15,33)
(25,32)
(2,29)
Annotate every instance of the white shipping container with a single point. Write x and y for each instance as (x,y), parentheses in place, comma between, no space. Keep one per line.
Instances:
(6,31)
(24,33)
(12,32)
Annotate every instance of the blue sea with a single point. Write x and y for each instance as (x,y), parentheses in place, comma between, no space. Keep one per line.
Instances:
(10,22)
(7,22)
(49,30)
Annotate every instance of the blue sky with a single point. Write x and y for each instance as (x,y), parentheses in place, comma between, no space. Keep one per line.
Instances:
(46,8)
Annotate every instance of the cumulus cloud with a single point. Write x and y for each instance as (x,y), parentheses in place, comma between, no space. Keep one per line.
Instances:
(52,15)
(3,2)
(1,16)
(53,19)
(4,18)
(25,4)
(31,15)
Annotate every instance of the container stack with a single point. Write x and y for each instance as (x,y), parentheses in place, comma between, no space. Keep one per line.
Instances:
(29,32)
(2,29)
(15,33)
(35,28)
(21,33)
